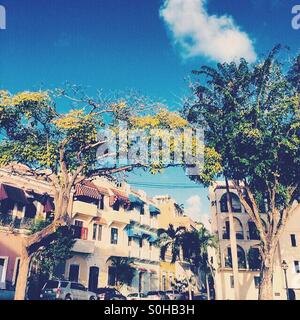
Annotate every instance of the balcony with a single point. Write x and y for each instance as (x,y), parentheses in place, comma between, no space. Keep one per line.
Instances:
(88,209)
(118,218)
(84,246)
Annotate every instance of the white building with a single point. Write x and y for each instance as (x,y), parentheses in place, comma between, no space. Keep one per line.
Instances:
(247,241)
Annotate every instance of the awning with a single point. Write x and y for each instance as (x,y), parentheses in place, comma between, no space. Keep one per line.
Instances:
(87,189)
(135,199)
(153,238)
(14,194)
(134,232)
(153,210)
(120,196)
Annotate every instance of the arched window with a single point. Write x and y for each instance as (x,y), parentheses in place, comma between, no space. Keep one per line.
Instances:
(236,204)
(240,255)
(253,232)
(254,259)
(238,227)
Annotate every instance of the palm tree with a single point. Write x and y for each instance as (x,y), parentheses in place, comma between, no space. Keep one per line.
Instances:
(124,270)
(206,241)
(182,245)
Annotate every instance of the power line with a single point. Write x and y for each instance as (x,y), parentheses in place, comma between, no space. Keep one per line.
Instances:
(165,185)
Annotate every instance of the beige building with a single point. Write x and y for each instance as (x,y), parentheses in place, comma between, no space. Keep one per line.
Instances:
(113,221)
(247,240)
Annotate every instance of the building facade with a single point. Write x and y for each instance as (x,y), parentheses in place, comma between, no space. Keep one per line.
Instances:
(248,259)
(113,221)
(22,200)
(173,214)
(109,221)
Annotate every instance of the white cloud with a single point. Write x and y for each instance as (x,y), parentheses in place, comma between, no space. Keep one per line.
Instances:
(194,209)
(198,33)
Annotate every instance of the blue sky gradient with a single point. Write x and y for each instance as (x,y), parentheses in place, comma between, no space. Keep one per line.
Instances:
(123,44)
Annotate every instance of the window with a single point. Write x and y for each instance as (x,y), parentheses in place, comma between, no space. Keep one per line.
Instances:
(142,210)
(77,286)
(74,272)
(293,240)
(116,205)
(236,204)
(99,232)
(114,236)
(95,227)
(256,282)
(112,275)
(164,282)
(3,269)
(78,223)
(16,270)
(297,266)
(101,203)
(231,282)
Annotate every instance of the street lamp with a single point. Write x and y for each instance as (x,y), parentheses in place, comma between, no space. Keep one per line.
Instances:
(284,267)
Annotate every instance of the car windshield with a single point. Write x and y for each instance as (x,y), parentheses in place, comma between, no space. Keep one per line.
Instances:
(51,284)
(133,295)
(152,293)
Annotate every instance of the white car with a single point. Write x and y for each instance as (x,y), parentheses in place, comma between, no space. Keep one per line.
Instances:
(66,290)
(174,295)
(137,296)
(157,295)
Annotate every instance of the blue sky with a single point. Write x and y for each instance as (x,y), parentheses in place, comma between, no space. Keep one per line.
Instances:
(148,45)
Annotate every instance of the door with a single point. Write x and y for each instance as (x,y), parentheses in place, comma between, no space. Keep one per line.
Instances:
(292,295)
(74,272)
(3,268)
(93,278)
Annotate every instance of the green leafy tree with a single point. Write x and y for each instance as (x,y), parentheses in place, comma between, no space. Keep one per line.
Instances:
(57,147)
(124,270)
(182,246)
(251,118)
(207,242)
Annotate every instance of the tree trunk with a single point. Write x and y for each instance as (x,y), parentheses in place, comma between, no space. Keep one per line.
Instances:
(266,285)
(233,244)
(33,243)
(207,287)
(21,286)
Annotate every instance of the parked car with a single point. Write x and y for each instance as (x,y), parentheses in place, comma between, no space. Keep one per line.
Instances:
(200,296)
(137,296)
(109,294)
(157,295)
(66,290)
(174,295)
